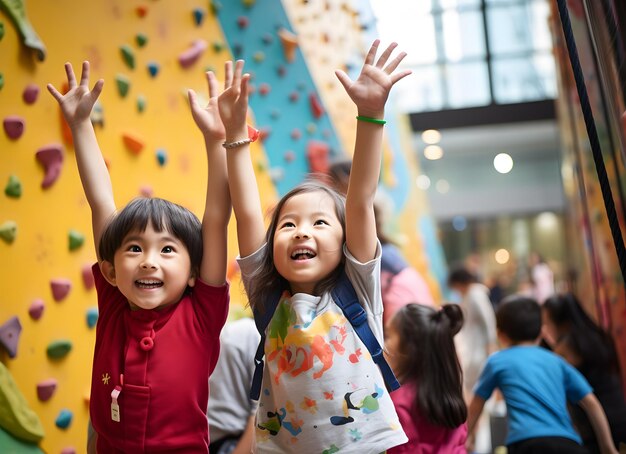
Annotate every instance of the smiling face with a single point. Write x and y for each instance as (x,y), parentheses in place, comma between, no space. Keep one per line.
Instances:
(308,240)
(152,269)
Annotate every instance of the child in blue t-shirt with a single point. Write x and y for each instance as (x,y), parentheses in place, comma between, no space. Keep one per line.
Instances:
(536,385)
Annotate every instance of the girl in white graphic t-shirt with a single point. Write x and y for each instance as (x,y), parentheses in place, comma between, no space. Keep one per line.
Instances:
(321,391)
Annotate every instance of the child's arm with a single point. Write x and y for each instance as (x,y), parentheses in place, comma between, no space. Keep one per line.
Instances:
(76,106)
(597,418)
(233,105)
(369,93)
(218,206)
(474,411)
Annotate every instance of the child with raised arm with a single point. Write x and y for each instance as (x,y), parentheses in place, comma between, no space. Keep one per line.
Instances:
(162,293)
(321,391)
(536,385)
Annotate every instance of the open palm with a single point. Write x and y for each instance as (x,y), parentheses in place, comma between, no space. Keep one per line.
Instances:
(208,118)
(78,102)
(370,90)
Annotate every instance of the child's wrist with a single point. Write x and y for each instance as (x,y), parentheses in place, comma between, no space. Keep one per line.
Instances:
(376,114)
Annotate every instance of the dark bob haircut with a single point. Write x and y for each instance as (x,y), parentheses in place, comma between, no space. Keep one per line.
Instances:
(519,317)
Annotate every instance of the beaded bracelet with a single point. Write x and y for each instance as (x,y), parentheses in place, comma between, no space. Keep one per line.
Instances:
(236,143)
(370,120)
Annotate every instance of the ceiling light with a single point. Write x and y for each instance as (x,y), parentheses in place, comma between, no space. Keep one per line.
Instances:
(431,136)
(433,152)
(503,163)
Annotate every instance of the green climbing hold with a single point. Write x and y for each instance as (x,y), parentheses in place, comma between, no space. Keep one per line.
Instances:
(123,85)
(141,103)
(58,349)
(15,415)
(141,39)
(8,231)
(128,56)
(1,30)
(13,187)
(1,81)
(76,239)
(218,46)
(10,444)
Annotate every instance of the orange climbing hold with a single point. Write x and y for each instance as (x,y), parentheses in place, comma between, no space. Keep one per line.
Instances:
(290,43)
(132,143)
(317,155)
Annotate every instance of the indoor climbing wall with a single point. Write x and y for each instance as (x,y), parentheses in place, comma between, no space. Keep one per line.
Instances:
(149,52)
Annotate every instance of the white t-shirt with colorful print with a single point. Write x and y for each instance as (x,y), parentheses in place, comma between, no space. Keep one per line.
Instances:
(321,391)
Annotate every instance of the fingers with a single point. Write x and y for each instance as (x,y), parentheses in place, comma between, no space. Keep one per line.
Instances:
(244,88)
(54,92)
(343,78)
(395,77)
(385,55)
(71,79)
(97,89)
(228,74)
(238,74)
(84,77)
(193,100)
(394,63)
(369,58)
(212,82)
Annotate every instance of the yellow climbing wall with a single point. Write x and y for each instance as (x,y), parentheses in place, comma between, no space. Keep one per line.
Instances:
(75,30)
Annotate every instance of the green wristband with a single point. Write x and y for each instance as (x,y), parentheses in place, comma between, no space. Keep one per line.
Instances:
(370,120)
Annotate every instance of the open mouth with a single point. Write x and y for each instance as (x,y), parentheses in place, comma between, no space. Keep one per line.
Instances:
(148,283)
(302,254)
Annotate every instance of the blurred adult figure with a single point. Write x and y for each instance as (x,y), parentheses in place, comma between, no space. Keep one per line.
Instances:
(541,276)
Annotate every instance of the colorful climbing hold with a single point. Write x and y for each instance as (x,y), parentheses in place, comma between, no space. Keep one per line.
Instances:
(8,231)
(128,56)
(123,85)
(16,11)
(146,191)
(316,106)
(264,133)
(296,134)
(13,126)
(30,93)
(68,450)
(198,16)
(264,89)
(311,128)
(16,417)
(60,288)
(46,388)
(141,39)
(192,54)
(153,68)
(36,309)
(161,156)
(58,349)
(10,335)
(242,22)
(237,49)
(294,96)
(267,39)
(51,158)
(317,156)
(141,11)
(259,56)
(92,317)
(290,43)
(141,103)
(215,6)
(87,275)
(289,156)
(13,187)
(1,81)
(64,419)
(76,239)
(1,30)
(248,3)
(132,143)
(217,46)
(97,115)
(9,443)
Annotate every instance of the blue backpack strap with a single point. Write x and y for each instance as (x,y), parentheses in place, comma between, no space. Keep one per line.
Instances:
(346,298)
(262,320)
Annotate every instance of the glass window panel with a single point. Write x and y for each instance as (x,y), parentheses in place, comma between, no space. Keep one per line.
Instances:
(391,9)
(463,35)
(414,34)
(524,79)
(420,92)
(518,28)
(467,84)
(445,4)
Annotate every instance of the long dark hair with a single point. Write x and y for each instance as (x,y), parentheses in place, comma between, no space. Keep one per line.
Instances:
(268,281)
(428,358)
(590,342)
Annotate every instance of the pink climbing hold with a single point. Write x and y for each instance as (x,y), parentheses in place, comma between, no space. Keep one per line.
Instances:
(30,93)
(60,288)
(242,22)
(10,335)
(289,156)
(192,54)
(51,158)
(68,450)
(146,191)
(88,280)
(264,133)
(36,309)
(316,106)
(46,388)
(317,155)
(13,126)
(253,133)
(296,134)
(294,96)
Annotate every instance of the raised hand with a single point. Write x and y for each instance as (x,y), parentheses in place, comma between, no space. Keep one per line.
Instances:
(371,89)
(233,102)
(208,118)
(78,102)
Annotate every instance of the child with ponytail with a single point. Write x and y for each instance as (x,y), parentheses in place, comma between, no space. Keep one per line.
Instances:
(430,405)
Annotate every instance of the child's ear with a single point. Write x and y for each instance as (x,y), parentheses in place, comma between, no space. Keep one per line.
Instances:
(108,271)
(192,280)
